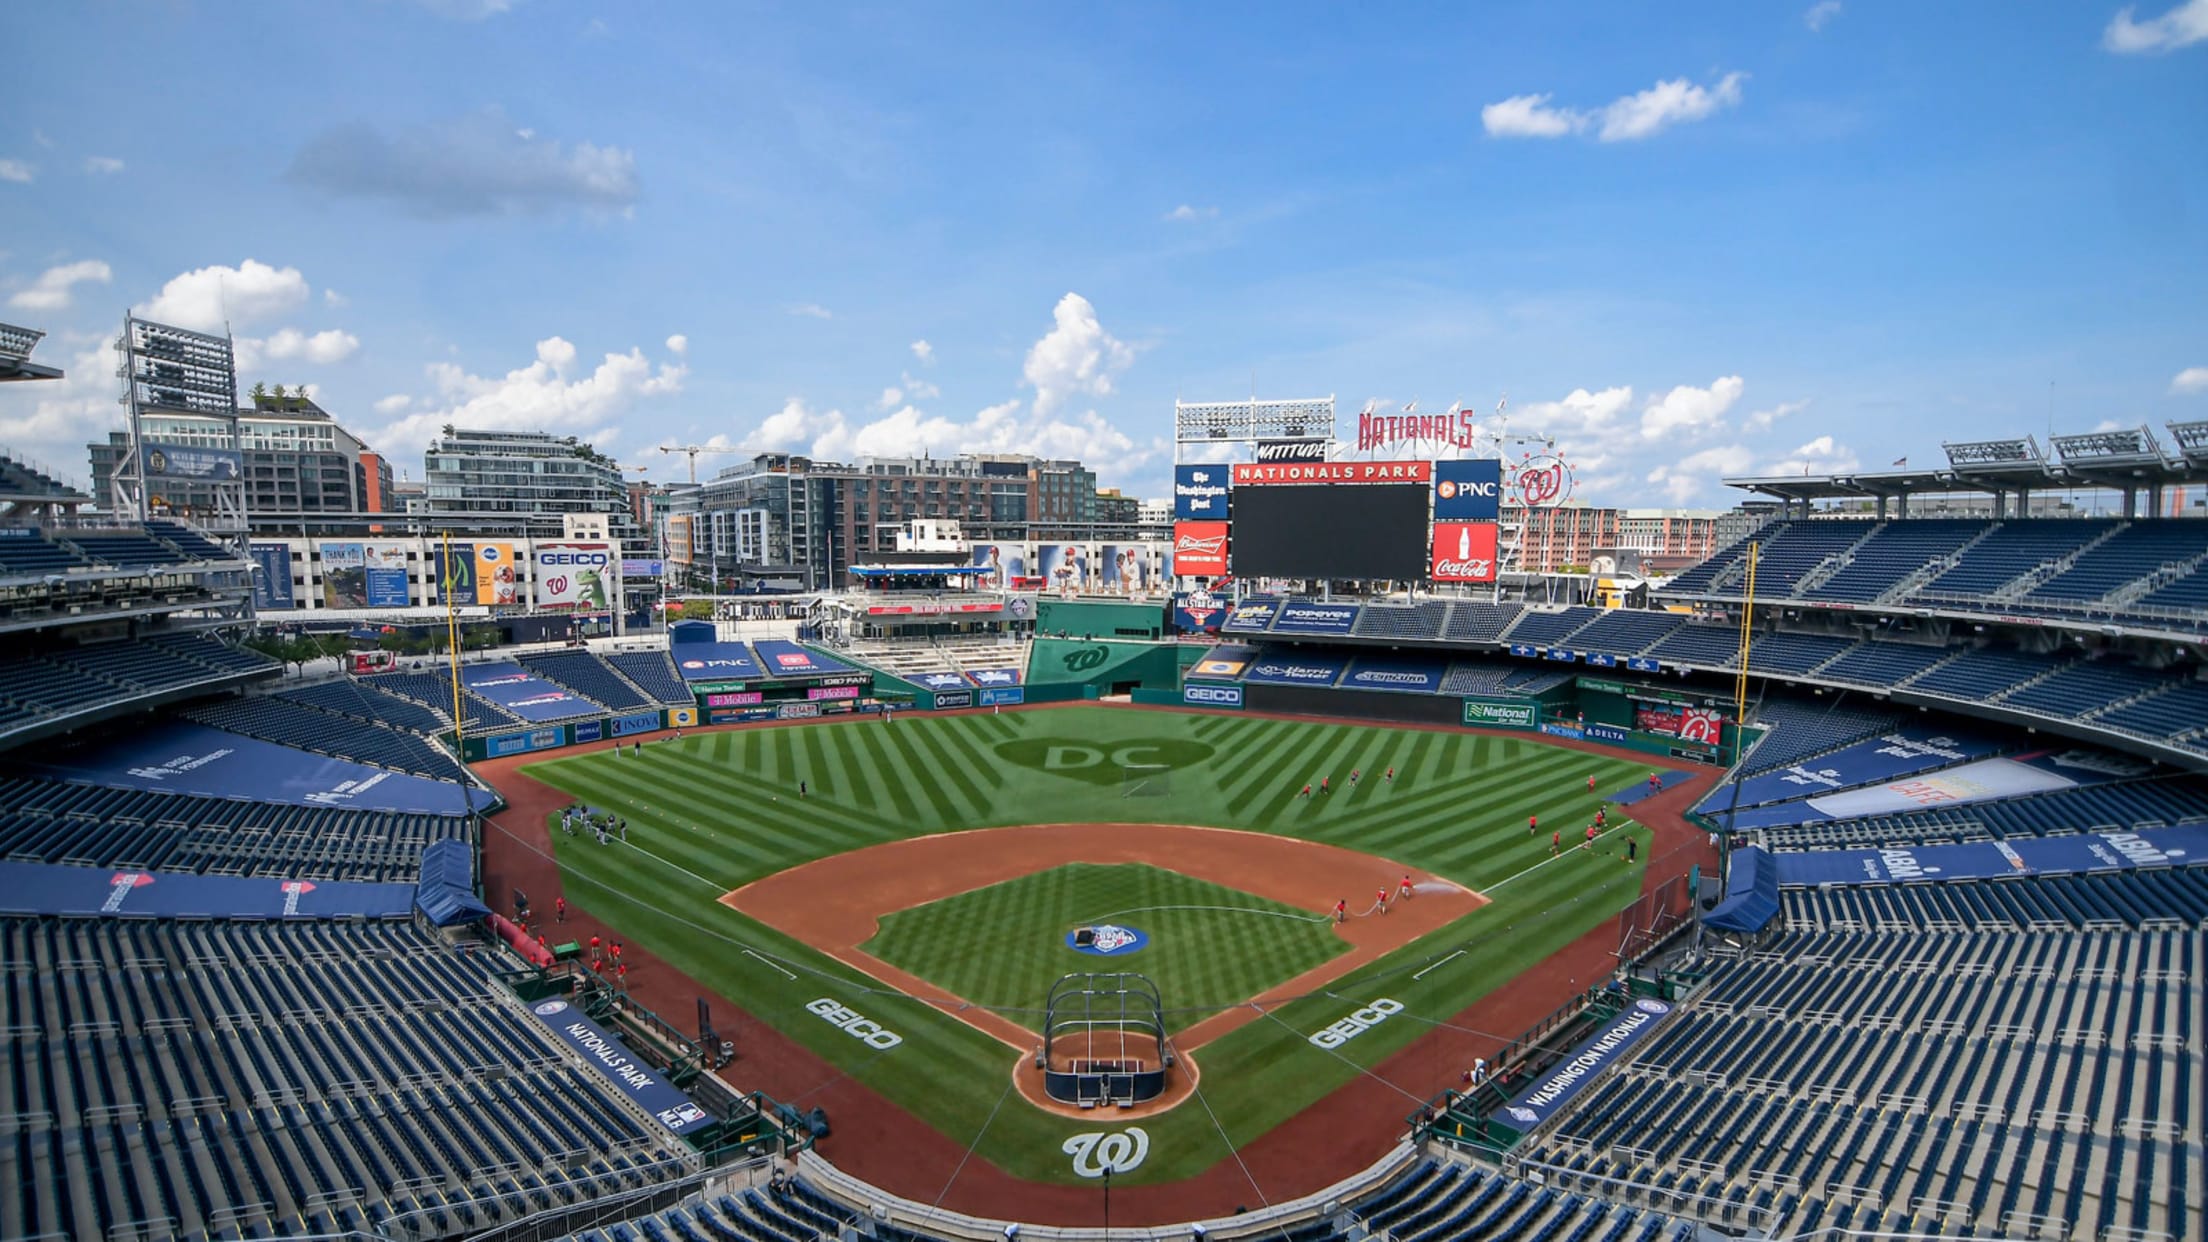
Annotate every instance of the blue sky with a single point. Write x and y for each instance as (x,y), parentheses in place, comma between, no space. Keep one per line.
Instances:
(1687,241)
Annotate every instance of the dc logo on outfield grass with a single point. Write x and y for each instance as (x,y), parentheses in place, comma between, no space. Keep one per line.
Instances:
(1097,764)
(1107,940)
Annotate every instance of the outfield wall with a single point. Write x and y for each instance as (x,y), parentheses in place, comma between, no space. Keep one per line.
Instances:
(1381,705)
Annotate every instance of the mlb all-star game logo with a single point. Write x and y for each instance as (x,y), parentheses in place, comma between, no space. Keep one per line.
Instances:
(1111,939)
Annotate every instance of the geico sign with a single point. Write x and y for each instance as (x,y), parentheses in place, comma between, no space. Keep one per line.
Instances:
(1356,1023)
(1211,694)
(864,1029)
(571,558)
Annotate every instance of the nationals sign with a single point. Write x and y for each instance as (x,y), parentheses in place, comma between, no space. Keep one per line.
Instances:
(1247,473)
(1463,552)
(1200,549)
(1543,482)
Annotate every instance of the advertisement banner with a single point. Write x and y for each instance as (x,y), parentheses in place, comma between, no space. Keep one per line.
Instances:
(344,574)
(175,461)
(947,699)
(1063,565)
(531,698)
(1211,694)
(786,659)
(497,574)
(631,725)
(1297,670)
(796,711)
(1702,724)
(1126,568)
(1200,493)
(272,576)
(452,577)
(824,693)
(1291,450)
(1644,664)
(1003,697)
(1223,662)
(575,575)
(1554,1091)
(716,661)
(1310,617)
(1463,552)
(385,565)
(1609,733)
(937,681)
(1197,612)
(739,698)
(1004,561)
(2075,854)
(993,676)
(620,1070)
(1200,549)
(1408,676)
(1249,474)
(1252,615)
(1501,713)
(632,567)
(584,731)
(1468,490)
(681,717)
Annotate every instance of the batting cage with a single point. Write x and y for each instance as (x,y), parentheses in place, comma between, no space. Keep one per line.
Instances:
(1104,1040)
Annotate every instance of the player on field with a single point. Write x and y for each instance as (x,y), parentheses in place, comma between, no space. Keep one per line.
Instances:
(1306,792)
(1632,848)
(1556,842)
(1382,901)
(1391,774)
(1353,775)
(1341,910)
(1404,890)
(1601,818)
(1533,824)
(1326,784)
(1590,838)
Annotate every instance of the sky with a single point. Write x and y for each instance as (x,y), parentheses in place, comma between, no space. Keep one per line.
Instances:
(1685,241)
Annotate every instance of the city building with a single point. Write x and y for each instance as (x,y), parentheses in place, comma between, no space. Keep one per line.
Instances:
(1567,538)
(521,483)
(302,472)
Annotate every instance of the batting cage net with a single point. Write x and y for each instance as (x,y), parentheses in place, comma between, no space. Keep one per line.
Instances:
(1145,780)
(1104,1038)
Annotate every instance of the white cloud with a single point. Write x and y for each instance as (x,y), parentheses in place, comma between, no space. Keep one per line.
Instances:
(678,344)
(1185,213)
(1581,412)
(478,164)
(1761,420)
(102,164)
(288,344)
(1665,104)
(50,292)
(1530,116)
(924,352)
(1820,15)
(206,298)
(1690,411)
(919,389)
(544,396)
(17,171)
(1697,474)
(48,424)
(1076,356)
(1821,455)
(39,136)
(467,10)
(2189,381)
(394,403)
(2182,26)
(891,398)
(332,297)
(812,310)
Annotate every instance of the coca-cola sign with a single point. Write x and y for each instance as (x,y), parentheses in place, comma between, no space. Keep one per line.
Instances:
(1543,481)
(1463,552)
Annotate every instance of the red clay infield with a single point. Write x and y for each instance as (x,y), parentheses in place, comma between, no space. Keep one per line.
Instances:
(881,1143)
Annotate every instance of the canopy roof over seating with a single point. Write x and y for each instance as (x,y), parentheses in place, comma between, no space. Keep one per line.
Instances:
(2124,459)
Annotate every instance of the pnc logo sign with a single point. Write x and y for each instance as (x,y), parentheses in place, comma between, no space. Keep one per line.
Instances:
(1100,763)
(1468,490)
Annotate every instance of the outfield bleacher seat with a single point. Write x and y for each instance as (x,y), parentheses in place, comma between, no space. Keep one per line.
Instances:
(1798,654)
(2009,551)
(1703,646)
(1474,622)
(1625,631)
(294,724)
(1420,621)
(34,553)
(654,673)
(588,676)
(2085,687)
(1894,552)
(434,690)
(2130,554)
(1985,673)
(123,549)
(1542,627)
(2178,712)
(2121,807)
(359,698)
(188,541)
(1883,665)
(1804,728)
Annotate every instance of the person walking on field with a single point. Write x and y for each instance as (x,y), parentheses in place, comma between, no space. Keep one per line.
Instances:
(1341,910)
(1590,784)
(1590,838)
(1404,890)
(1533,824)
(1326,784)
(1391,774)
(1632,848)
(1306,792)
(559,909)
(1382,901)
(1556,843)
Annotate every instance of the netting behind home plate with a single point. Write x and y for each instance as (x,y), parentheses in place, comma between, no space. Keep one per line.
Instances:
(1104,1038)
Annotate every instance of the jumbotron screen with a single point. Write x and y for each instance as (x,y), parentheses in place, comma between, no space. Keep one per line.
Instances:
(1330,530)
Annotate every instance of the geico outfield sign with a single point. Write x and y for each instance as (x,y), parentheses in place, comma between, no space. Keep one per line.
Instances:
(1500,713)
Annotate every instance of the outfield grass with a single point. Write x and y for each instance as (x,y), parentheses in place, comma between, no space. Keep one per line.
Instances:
(1002,947)
(717,810)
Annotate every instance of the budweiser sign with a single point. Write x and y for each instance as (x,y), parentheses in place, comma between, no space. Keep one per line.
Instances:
(1247,473)
(1463,552)
(1200,549)
(1543,482)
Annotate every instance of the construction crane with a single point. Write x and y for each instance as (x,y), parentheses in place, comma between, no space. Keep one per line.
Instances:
(694,449)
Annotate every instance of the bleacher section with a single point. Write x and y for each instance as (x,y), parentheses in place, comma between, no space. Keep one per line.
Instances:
(1538,627)
(188,541)
(2126,806)
(1881,664)
(359,699)
(223,1079)
(95,826)
(62,681)
(1471,622)
(654,674)
(18,478)
(1984,673)
(1422,621)
(2031,1076)
(434,691)
(1801,730)
(1890,556)
(305,728)
(1625,632)
(123,549)
(33,553)
(590,677)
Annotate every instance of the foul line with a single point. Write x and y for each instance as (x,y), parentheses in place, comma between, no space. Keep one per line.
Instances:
(1559,857)
(1438,965)
(1271,914)
(770,965)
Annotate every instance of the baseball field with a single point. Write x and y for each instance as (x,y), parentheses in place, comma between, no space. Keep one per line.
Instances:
(904,915)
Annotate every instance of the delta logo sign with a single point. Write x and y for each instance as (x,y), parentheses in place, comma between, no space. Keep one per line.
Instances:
(1200,549)
(1463,552)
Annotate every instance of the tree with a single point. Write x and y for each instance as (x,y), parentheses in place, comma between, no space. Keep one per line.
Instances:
(260,393)
(278,392)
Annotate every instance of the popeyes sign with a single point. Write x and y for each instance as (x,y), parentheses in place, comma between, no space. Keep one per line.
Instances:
(1542,482)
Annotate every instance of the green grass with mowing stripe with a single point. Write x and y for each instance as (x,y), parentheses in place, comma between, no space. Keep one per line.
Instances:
(1002,946)
(717,810)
